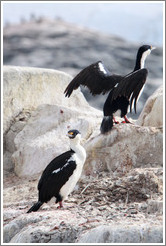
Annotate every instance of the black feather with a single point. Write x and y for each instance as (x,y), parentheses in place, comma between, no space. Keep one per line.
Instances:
(55,175)
(107,124)
(97,81)
(35,207)
(130,87)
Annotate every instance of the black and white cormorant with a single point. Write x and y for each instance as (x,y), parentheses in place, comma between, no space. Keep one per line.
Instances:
(124,90)
(62,173)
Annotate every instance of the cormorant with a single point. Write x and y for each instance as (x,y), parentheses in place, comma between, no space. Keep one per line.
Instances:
(62,173)
(124,90)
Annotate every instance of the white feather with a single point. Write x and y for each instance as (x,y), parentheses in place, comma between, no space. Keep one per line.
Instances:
(145,54)
(79,157)
(102,69)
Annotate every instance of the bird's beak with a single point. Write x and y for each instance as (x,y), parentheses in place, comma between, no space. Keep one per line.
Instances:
(70,135)
(153,48)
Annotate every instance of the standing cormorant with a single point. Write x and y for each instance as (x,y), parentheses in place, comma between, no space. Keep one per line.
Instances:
(124,90)
(62,173)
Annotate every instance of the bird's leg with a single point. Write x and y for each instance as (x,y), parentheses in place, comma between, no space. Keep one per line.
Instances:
(126,120)
(116,122)
(60,205)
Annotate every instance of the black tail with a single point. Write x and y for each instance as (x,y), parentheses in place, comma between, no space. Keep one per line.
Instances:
(35,207)
(106,124)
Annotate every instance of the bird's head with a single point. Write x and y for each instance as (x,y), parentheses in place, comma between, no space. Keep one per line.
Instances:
(74,134)
(75,139)
(146,49)
(143,52)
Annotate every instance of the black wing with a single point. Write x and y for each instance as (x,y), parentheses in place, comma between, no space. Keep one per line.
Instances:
(131,86)
(96,77)
(55,176)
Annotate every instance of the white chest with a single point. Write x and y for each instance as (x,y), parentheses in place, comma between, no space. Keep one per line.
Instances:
(79,158)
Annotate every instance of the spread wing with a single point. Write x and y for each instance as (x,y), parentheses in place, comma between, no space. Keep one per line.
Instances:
(130,87)
(96,77)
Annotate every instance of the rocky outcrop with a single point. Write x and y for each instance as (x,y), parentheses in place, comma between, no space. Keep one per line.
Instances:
(37,131)
(26,88)
(25,92)
(44,136)
(124,148)
(152,114)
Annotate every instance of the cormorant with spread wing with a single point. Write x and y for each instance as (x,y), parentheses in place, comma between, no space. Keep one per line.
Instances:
(124,90)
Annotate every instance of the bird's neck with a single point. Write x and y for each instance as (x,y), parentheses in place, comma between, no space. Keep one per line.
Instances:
(140,60)
(139,64)
(77,148)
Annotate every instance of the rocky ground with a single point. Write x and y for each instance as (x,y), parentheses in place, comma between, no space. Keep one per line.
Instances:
(97,201)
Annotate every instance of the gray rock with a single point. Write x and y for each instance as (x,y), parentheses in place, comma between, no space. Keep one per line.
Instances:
(125,147)
(40,234)
(155,206)
(123,234)
(152,114)
(32,136)
(16,225)
(26,88)
(44,136)
(23,91)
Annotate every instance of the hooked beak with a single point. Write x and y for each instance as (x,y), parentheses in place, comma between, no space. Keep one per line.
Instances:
(153,48)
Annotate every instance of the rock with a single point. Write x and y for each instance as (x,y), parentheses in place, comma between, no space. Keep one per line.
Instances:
(31,139)
(124,148)
(123,234)
(41,235)
(155,206)
(42,228)
(26,88)
(152,114)
(16,225)
(44,136)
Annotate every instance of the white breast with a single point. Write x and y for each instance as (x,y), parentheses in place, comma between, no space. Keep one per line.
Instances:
(145,54)
(79,157)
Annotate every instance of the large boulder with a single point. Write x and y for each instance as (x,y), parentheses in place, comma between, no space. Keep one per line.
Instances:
(44,136)
(25,92)
(127,146)
(124,234)
(25,88)
(152,114)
